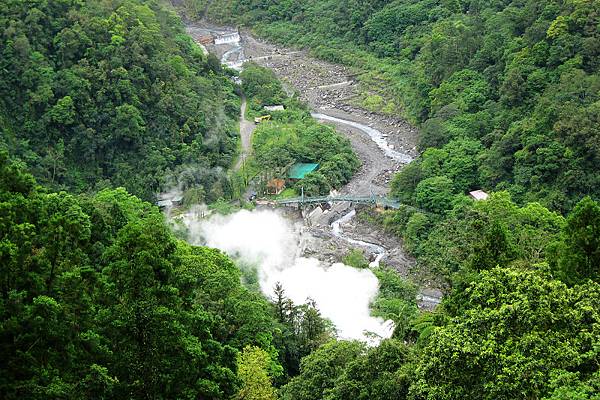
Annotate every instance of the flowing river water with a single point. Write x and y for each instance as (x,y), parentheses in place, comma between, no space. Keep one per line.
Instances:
(376,136)
(286,249)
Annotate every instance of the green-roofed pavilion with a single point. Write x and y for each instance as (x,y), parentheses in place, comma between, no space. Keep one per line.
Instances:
(300,170)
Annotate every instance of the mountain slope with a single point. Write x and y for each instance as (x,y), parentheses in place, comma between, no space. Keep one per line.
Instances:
(112,93)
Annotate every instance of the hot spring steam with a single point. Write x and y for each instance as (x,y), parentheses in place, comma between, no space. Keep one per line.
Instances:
(272,243)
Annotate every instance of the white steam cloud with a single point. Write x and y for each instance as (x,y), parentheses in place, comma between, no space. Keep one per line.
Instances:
(272,243)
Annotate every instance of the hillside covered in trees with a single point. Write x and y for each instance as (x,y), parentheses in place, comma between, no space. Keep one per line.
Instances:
(505,92)
(99,299)
(99,94)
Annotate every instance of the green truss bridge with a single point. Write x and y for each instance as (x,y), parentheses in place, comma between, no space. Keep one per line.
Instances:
(378,201)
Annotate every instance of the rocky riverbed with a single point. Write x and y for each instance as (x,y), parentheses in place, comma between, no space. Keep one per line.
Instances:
(330,89)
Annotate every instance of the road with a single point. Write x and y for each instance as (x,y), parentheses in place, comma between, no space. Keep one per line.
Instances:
(246,130)
(383,143)
(329,90)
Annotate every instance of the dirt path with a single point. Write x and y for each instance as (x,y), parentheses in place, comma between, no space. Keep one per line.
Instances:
(331,90)
(246,130)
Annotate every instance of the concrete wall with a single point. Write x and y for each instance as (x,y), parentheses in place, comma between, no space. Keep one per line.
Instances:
(230,38)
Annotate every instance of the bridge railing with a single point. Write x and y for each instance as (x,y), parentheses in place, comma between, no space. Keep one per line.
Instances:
(375,200)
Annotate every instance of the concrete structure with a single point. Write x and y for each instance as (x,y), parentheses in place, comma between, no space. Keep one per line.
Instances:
(177,201)
(479,195)
(274,108)
(228,38)
(168,200)
(164,204)
(314,216)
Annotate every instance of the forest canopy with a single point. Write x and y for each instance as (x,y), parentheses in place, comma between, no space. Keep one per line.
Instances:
(100,94)
(99,299)
(506,92)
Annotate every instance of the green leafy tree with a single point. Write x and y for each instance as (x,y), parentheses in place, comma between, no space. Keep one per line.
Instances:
(99,299)
(320,370)
(100,107)
(508,340)
(435,194)
(303,330)
(577,257)
(253,365)
(493,247)
(382,373)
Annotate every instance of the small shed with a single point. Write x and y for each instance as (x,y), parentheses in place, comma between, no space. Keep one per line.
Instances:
(300,170)
(164,204)
(177,200)
(275,186)
(274,108)
(479,195)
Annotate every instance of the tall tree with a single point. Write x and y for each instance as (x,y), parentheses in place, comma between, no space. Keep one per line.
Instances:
(577,257)
(253,364)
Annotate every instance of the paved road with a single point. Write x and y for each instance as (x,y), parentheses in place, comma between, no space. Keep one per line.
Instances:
(246,130)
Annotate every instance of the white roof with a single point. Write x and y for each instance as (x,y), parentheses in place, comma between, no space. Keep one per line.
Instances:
(479,195)
(274,108)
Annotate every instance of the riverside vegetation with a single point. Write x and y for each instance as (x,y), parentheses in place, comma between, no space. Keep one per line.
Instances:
(294,136)
(100,300)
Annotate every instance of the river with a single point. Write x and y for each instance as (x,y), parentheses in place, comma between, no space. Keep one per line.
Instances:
(305,254)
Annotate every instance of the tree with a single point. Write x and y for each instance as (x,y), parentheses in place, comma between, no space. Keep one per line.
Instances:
(381,374)
(508,339)
(314,184)
(435,194)
(404,184)
(466,88)
(253,365)
(493,248)
(320,370)
(302,330)
(262,86)
(102,107)
(577,256)
(98,297)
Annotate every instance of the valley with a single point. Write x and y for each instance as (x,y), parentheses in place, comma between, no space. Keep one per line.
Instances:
(383,144)
(239,210)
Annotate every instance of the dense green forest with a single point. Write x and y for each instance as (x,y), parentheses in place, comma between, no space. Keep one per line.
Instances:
(100,300)
(99,94)
(504,90)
